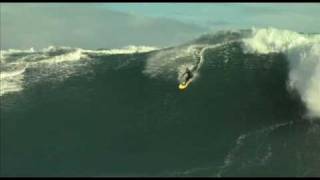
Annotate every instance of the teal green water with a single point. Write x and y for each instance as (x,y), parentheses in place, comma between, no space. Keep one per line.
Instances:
(236,119)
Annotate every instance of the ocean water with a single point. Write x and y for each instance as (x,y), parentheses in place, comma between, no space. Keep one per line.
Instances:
(253,108)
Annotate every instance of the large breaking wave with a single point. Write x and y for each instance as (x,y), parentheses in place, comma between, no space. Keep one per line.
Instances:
(301,50)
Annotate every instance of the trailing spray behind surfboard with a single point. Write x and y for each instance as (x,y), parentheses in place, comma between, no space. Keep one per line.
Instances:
(190,72)
(172,63)
(198,56)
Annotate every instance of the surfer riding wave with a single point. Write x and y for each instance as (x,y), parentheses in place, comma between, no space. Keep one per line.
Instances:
(189,73)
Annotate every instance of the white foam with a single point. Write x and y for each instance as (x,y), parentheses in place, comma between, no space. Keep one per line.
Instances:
(11,81)
(11,51)
(71,56)
(126,50)
(12,76)
(303,53)
(5,53)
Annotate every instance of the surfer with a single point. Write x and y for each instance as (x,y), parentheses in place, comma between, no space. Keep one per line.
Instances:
(187,78)
(188,75)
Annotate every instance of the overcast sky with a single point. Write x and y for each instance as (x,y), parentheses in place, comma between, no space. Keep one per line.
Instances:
(114,25)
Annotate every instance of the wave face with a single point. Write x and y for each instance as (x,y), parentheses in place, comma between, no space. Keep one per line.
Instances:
(251,110)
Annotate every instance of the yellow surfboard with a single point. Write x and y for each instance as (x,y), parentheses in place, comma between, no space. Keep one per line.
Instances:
(183,86)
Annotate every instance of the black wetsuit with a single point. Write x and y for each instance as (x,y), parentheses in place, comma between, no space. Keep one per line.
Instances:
(189,72)
(189,75)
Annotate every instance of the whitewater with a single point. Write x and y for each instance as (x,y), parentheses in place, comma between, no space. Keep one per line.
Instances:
(14,62)
(301,50)
(303,53)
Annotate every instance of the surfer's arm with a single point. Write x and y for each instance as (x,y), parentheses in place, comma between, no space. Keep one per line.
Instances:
(186,72)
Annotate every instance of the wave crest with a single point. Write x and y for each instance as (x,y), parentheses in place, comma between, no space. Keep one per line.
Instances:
(303,53)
